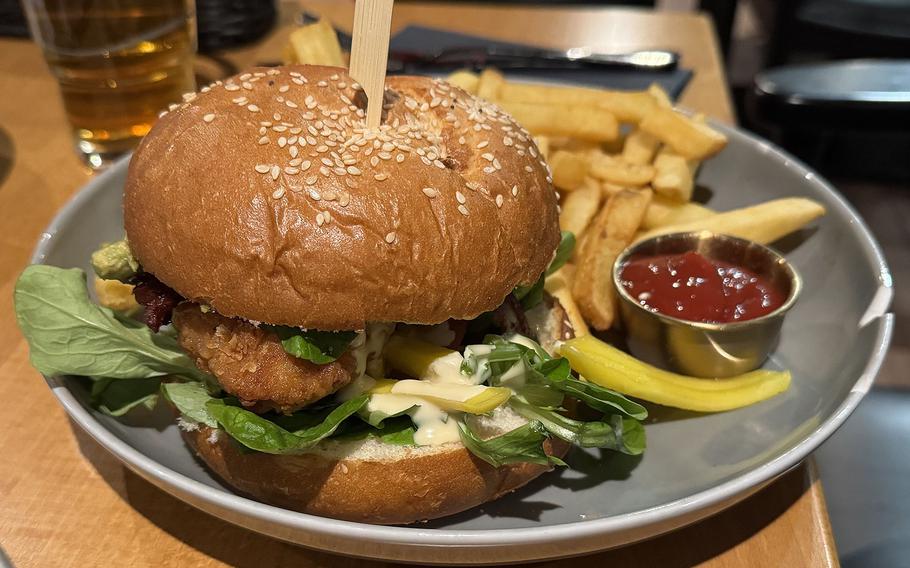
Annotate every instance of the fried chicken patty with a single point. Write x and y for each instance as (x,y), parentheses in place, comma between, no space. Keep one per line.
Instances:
(250,363)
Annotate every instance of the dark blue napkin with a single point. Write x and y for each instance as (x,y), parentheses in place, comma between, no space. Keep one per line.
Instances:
(419,39)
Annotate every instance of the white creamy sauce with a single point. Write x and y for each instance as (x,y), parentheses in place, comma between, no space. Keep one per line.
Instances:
(433,426)
(515,377)
(447,369)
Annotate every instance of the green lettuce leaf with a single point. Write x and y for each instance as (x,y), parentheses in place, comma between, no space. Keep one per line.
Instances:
(621,434)
(524,444)
(263,435)
(116,398)
(191,400)
(563,251)
(599,398)
(319,347)
(70,335)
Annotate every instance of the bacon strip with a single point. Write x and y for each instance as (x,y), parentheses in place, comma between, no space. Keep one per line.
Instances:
(157,298)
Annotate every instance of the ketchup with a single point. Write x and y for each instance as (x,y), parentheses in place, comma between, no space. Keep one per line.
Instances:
(692,287)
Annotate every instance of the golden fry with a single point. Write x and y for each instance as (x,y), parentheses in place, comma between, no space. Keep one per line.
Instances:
(569,169)
(663,211)
(763,223)
(640,147)
(660,95)
(586,123)
(674,176)
(544,145)
(610,189)
(611,232)
(627,106)
(686,136)
(579,207)
(615,170)
(559,285)
(317,44)
(465,79)
(490,84)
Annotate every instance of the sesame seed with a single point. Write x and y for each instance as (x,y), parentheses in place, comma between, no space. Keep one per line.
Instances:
(293,151)
(252,108)
(305,165)
(283,89)
(240,100)
(264,140)
(321,148)
(430,192)
(425,160)
(499,201)
(459,196)
(461,140)
(496,164)
(209,117)
(324,171)
(399,158)
(340,171)
(381,177)
(314,195)
(262,168)
(295,162)
(245,76)
(282,142)
(292,171)
(188,97)
(279,128)
(374,161)
(532,150)
(320,219)
(483,144)
(507,141)
(463,210)
(275,171)
(279,193)
(322,84)
(489,170)
(310,180)
(326,161)
(439,164)
(390,237)
(231,87)
(353,171)
(247,85)
(529,169)
(296,130)
(514,190)
(487,156)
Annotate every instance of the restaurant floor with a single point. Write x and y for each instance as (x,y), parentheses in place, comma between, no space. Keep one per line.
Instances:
(865,466)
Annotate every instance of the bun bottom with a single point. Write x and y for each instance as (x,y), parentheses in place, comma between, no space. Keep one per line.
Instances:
(423,486)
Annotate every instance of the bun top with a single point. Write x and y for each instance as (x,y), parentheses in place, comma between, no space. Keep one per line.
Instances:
(266,197)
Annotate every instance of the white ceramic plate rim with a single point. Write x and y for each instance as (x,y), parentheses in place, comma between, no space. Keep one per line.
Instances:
(547,534)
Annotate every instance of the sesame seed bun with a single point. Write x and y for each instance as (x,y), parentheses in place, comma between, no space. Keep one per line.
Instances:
(368,481)
(265,197)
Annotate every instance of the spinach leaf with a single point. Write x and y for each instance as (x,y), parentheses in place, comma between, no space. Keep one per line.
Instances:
(524,444)
(319,347)
(563,251)
(190,399)
(260,434)
(116,398)
(395,430)
(70,335)
(621,434)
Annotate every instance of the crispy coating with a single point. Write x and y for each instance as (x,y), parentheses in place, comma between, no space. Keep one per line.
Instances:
(250,363)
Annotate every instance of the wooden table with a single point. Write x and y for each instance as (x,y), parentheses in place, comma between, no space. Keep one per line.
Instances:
(65,501)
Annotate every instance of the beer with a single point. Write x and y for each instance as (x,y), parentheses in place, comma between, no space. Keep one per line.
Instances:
(119,64)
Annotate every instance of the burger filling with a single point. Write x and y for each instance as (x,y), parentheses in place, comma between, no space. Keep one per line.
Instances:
(278,389)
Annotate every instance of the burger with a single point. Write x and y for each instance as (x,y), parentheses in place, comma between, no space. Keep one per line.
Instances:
(348,322)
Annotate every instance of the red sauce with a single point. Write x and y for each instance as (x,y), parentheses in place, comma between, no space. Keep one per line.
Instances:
(692,287)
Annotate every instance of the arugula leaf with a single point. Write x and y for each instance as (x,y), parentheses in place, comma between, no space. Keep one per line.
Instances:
(523,444)
(563,251)
(530,296)
(599,398)
(611,435)
(116,398)
(190,399)
(260,434)
(319,347)
(376,418)
(70,335)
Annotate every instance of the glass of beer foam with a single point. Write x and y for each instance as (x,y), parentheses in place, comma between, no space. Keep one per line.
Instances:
(119,63)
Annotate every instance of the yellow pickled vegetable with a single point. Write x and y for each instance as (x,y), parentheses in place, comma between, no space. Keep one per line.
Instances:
(609,367)
(422,360)
(473,399)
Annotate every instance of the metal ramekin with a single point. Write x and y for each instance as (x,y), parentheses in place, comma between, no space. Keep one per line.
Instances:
(706,349)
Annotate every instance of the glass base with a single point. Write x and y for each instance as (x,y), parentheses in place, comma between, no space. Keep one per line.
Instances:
(99,155)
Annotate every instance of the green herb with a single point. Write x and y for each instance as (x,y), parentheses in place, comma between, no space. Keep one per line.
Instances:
(116,398)
(376,417)
(190,399)
(563,251)
(599,398)
(530,296)
(395,430)
(524,444)
(70,335)
(621,434)
(260,434)
(319,347)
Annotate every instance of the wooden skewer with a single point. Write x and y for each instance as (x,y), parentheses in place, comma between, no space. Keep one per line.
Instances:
(370,52)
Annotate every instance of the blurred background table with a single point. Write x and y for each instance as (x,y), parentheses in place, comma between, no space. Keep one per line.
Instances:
(67,502)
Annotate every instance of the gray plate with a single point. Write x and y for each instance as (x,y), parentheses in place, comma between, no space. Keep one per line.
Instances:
(833,341)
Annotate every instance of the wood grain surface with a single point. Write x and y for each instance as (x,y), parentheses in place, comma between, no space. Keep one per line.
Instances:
(65,502)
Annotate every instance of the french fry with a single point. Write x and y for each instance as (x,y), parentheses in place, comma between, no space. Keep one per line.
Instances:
(559,285)
(686,136)
(639,147)
(674,176)
(490,84)
(115,295)
(660,95)
(569,169)
(627,106)
(465,79)
(617,171)
(611,232)
(763,223)
(610,189)
(317,44)
(586,123)
(579,207)
(544,145)
(663,211)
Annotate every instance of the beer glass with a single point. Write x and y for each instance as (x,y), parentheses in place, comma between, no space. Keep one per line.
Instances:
(119,64)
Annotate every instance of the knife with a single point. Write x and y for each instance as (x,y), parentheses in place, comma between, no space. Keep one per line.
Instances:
(532,58)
